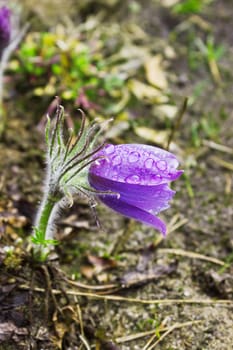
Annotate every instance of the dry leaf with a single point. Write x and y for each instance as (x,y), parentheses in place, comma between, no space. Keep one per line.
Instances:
(155,73)
(169,3)
(146,92)
(159,137)
(87,271)
(136,278)
(100,263)
(117,129)
(165,111)
(169,52)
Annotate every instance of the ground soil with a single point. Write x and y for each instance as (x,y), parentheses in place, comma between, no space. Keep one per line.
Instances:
(40,306)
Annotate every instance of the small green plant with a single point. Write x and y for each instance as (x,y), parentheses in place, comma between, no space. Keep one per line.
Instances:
(206,127)
(56,63)
(187,7)
(207,52)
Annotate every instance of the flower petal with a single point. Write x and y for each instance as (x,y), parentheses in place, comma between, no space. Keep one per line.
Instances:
(133,212)
(5,27)
(137,164)
(140,175)
(150,198)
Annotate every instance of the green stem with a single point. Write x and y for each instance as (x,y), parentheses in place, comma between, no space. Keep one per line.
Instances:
(43,232)
(44,216)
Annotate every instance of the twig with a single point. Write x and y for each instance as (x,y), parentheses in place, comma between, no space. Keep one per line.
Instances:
(87,346)
(91,287)
(177,225)
(135,336)
(79,312)
(228,185)
(191,255)
(139,335)
(217,146)
(214,70)
(222,163)
(173,225)
(135,300)
(171,329)
(50,290)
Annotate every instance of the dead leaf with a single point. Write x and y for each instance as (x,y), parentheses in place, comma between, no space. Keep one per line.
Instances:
(146,92)
(159,137)
(169,52)
(155,73)
(169,3)
(119,127)
(120,105)
(136,278)
(165,111)
(9,331)
(100,263)
(87,271)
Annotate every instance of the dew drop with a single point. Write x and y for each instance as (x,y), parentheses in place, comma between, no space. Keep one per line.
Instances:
(149,163)
(155,179)
(101,162)
(161,165)
(109,149)
(133,179)
(173,164)
(133,157)
(154,156)
(115,176)
(116,160)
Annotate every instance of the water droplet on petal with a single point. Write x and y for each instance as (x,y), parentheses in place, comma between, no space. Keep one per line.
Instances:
(133,157)
(155,180)
(114,175)
(172,164)
(133,179)
(109,149)
(149,163)
(116,160)
(161,165)
(100,161)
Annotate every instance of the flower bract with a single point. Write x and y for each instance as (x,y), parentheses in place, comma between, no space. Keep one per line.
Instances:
(140,175)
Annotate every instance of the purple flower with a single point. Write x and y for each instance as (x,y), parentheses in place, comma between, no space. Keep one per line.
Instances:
(5,27)
(140,175)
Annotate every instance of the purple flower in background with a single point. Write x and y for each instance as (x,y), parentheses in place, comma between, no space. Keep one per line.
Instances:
(5,27)
(140,175)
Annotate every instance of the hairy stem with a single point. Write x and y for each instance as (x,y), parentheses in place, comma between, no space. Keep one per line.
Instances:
(44,216)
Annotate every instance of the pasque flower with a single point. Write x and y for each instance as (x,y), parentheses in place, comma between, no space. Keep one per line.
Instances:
(140,175)
(5,28)
(131,179)
(68,163)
